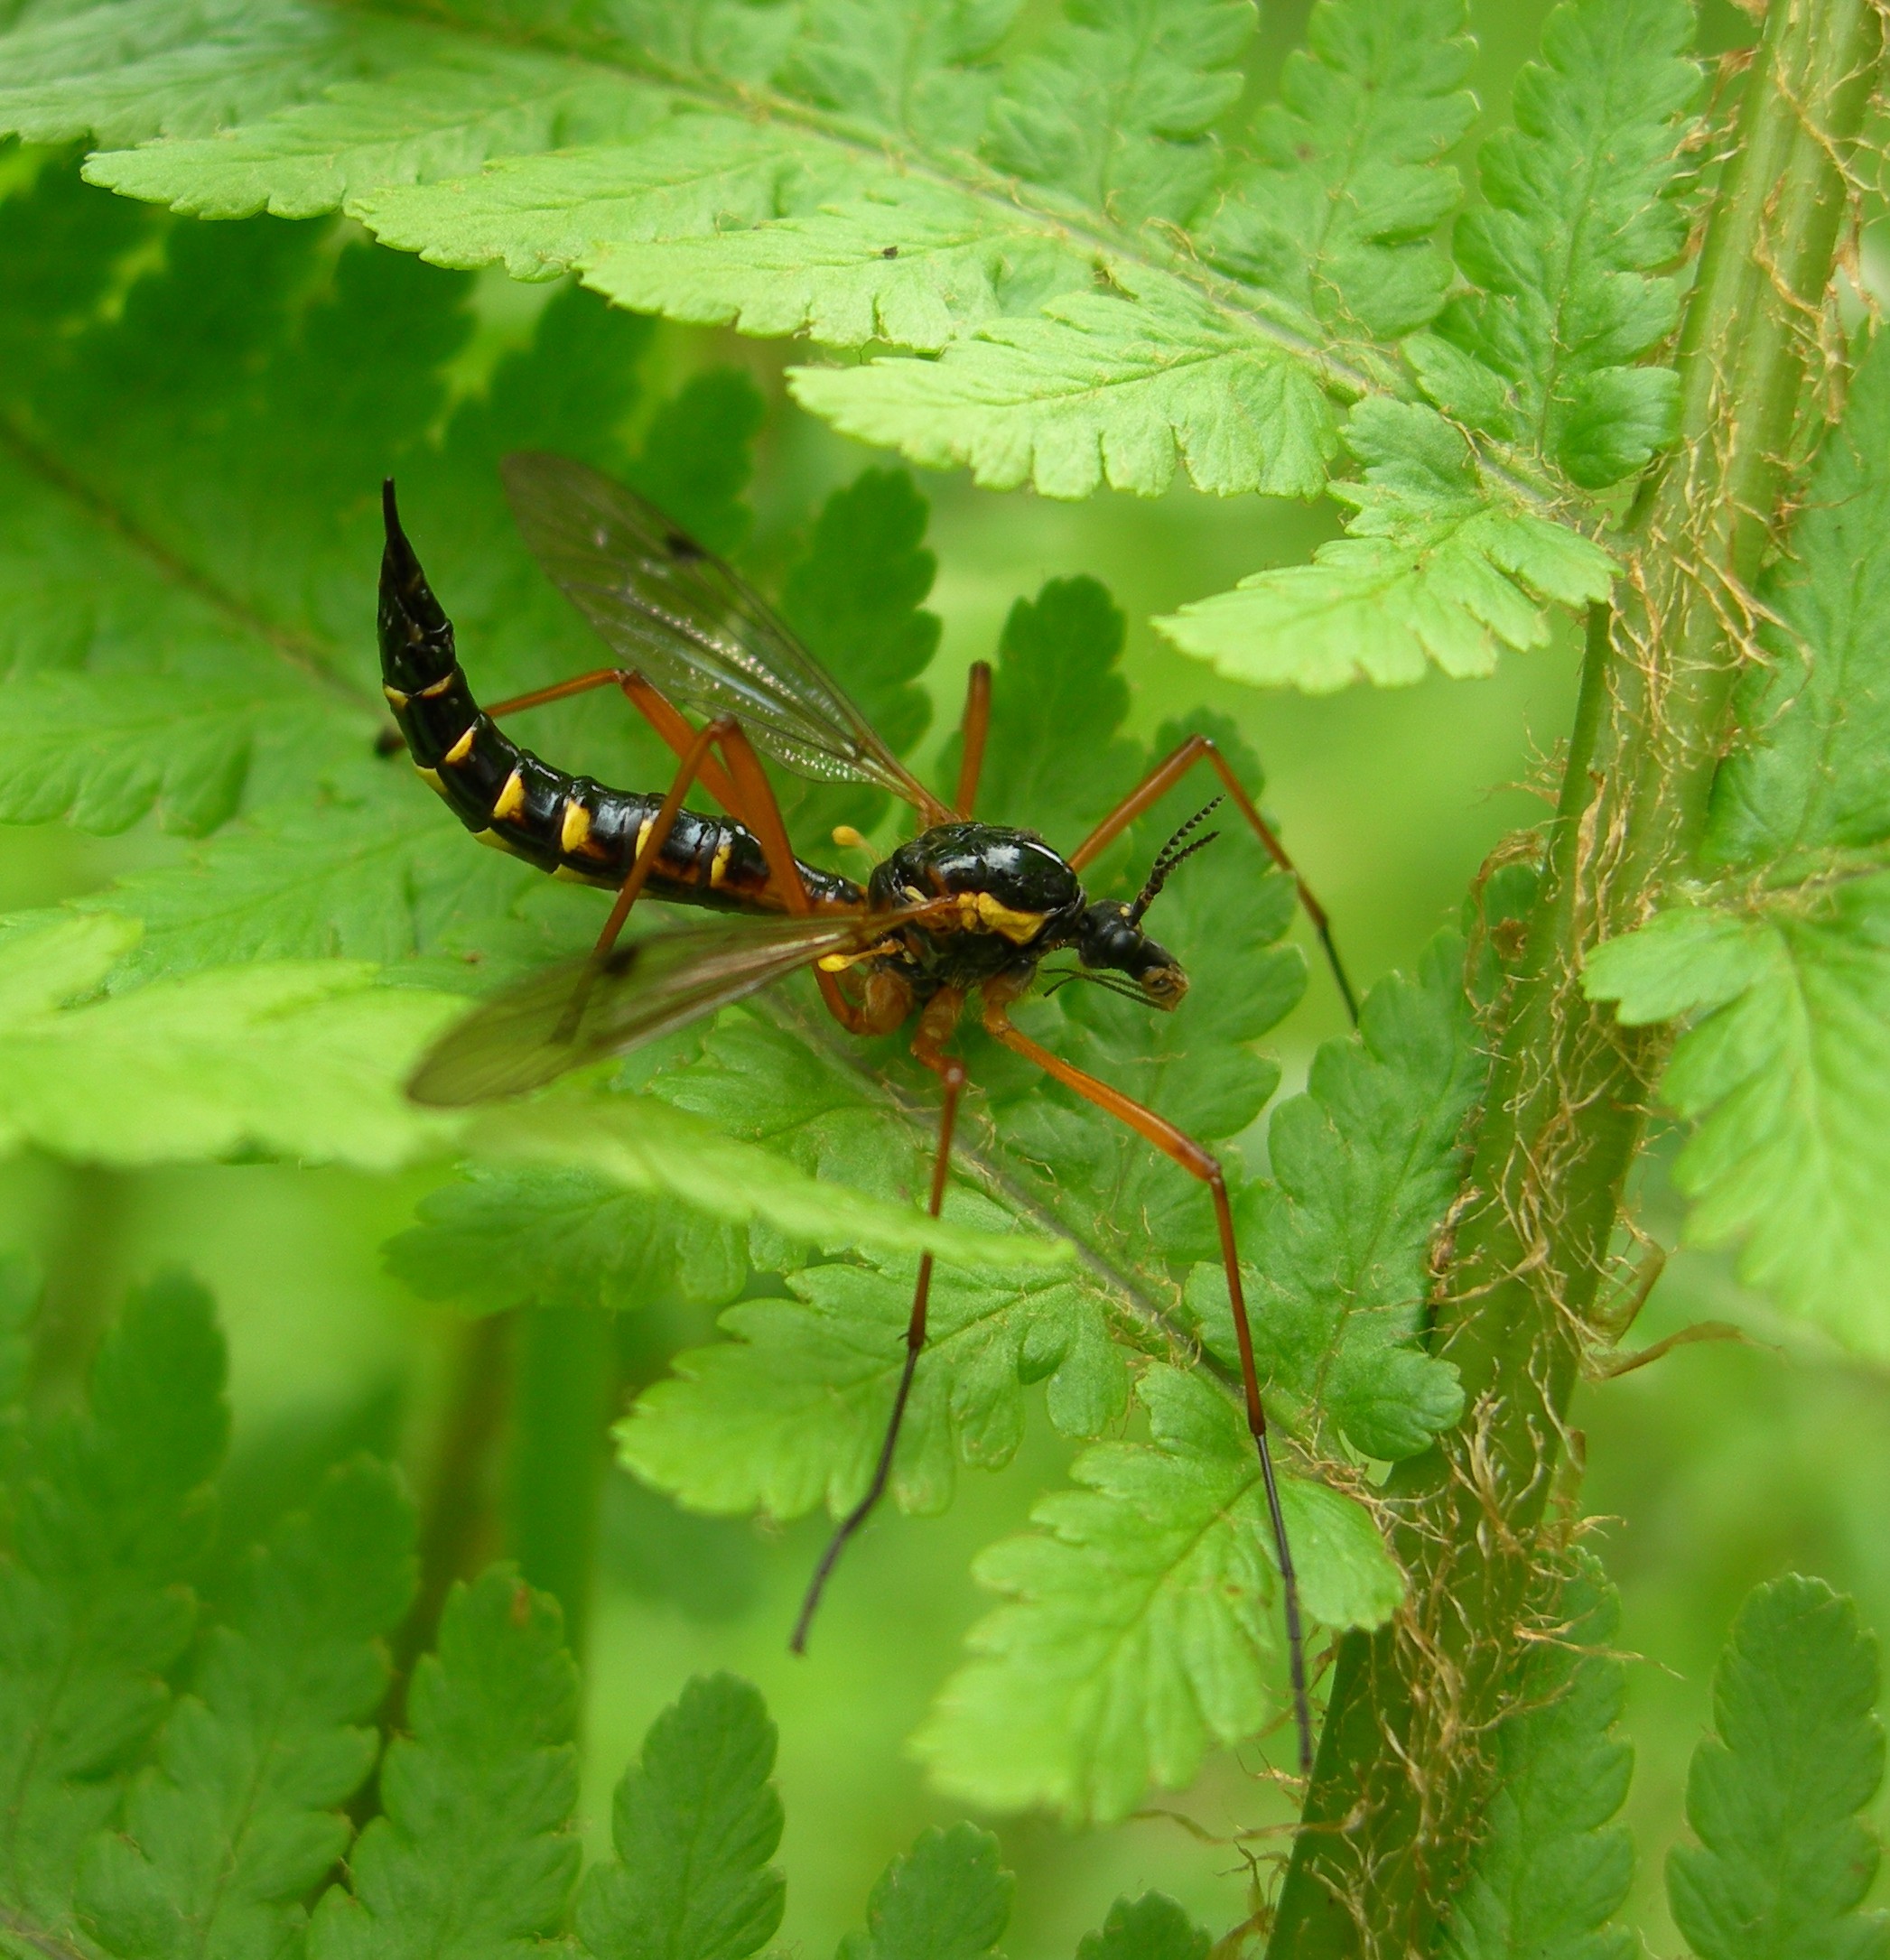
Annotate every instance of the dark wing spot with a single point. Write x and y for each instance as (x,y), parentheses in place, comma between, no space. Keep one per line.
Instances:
(681,545)
(892,251)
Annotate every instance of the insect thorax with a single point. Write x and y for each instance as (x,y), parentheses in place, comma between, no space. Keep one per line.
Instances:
(1017,897)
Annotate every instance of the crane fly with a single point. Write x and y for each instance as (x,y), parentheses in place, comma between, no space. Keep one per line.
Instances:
(963,910)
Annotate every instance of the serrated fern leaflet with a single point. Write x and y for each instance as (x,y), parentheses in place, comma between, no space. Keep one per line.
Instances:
(1783,1861)
(1103,290)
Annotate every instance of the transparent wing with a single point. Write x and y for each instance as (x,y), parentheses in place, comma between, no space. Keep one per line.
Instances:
(581,1010)
(682,617)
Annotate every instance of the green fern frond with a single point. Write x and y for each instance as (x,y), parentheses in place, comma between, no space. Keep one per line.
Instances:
(916,182)
(302,1058)
(1152,1928)
(790,1412)
(240,1818)
(1364,1168)
(1784,1860)
(695,1823)
(1566,258)
(947,1899)
(500,1236)
(110,1513)
(1136,1630)
(473,1853)
(1336,213)
(1441,567)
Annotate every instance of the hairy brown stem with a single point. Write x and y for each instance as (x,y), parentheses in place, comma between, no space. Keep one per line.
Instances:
(1403,1774)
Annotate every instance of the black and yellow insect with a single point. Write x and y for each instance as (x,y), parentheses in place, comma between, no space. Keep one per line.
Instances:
(963,908)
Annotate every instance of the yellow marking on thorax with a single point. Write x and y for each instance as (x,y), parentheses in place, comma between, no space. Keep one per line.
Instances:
(431,777)
(979,912)
(511,800)
(434,688)
(643,831)
(718,869)
(395,698)
(462,749)
(574,831)
(496,842)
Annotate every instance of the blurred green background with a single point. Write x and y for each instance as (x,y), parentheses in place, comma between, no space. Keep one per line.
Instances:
(1715,1468)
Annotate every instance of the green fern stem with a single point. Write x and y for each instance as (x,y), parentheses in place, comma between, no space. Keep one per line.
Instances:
(1404,1767)
(564,1382)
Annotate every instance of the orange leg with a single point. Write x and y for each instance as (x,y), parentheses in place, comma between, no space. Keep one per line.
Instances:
(937,1021)
(973,728)
(741,788)
(1156,785)
(1198,1163)
(656,709)
(657,835)
(758,810)
(648,855)
(750,802)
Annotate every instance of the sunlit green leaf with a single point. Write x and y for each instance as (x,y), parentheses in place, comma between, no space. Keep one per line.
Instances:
(1337,211)
(793,1409)
(1440,566)
(1112,107)
(1092,391)
(303,1059)
(1783,1072)
(1568,257)
(1138,1625)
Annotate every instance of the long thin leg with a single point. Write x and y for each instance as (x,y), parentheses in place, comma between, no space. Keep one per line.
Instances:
(762,814)
(973,728)
(655,708)
(578,683)
(1159,782)
(658,834)
(937,1021)
(1198,1163)
(647,853)
(742,789)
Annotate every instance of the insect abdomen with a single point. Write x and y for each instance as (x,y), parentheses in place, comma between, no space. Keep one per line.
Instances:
(508,797)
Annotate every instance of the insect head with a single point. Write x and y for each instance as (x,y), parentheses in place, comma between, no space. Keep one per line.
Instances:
(1110,935)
